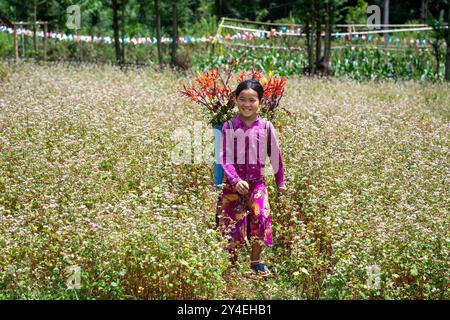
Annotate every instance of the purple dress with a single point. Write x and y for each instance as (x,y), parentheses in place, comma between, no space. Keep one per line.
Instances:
(243,152)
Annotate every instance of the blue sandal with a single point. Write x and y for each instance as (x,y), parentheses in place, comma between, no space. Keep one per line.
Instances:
(261,269)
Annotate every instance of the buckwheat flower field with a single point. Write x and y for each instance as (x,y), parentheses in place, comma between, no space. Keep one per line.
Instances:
(92,205)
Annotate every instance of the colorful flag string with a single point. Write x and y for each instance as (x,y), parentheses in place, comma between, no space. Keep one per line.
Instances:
(245,35)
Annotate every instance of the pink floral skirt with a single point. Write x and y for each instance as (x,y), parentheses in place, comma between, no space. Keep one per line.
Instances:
(244,219)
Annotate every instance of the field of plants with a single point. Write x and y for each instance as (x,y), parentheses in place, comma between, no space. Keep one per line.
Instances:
(87,181)
(369,62)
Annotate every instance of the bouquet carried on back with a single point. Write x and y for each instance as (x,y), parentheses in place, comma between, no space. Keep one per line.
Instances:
(213,90)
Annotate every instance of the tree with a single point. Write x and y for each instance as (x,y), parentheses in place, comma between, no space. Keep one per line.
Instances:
(447,56)
(441,35)
(424,11)
(330,21)
(357,14)
(386,18)
(308,16)
(116,31)
(122,57)
(119,45)
(219,7)
(318,16)
(174,32)
(4,20)
(158,31)
(35,5)
(386,14)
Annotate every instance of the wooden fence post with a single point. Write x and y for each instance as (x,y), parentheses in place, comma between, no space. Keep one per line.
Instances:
(16,44)
(45,40)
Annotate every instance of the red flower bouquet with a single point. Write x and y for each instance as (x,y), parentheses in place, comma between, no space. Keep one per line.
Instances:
(213,90)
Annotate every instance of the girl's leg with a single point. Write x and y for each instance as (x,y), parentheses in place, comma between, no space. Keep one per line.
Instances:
(259,218)
(256,253)
(231,221)
(260,228)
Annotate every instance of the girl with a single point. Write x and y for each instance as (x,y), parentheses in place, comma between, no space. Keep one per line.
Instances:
(243,210)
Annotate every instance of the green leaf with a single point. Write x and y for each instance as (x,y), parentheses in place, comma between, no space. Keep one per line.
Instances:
(184,262)
(414,271)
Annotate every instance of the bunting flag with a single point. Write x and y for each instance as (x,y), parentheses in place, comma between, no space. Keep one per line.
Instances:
(105,39)
(390,39)
(246,35)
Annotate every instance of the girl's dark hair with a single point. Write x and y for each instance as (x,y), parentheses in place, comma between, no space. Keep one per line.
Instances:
(250,84)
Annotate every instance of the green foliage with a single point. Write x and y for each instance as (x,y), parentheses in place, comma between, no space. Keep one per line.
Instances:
(357,14)
(284,63)
(201,18)
(376,64)
(6,45)
(359,63)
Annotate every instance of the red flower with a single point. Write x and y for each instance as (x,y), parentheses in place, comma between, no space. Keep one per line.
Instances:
(255,74)
(212,90)
(273,92)
(242,77)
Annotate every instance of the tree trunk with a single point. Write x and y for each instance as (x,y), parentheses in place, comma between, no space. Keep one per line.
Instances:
(311,17)
(424,11)
(16,45)
(447,61)
(447,56)
(308,32)
(116,30)
(328,29)
(386,13)
(386,18)
(174,32)
(438,60)
(45,40)
(319,19)
(6,21)
(34,29)
(318,41)
(158,31)
(220,9)
(122,59)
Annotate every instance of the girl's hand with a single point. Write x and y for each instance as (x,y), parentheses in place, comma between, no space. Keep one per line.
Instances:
(242,187)
(282,189)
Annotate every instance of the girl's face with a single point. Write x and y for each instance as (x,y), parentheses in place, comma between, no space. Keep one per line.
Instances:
(248,103)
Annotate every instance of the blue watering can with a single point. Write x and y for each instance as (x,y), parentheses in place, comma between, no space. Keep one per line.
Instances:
(218,170)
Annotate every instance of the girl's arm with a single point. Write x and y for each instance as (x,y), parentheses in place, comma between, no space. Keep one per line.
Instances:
(227,155)
(276,158)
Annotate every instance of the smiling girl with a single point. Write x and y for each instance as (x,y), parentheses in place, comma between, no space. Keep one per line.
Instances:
(243,207)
